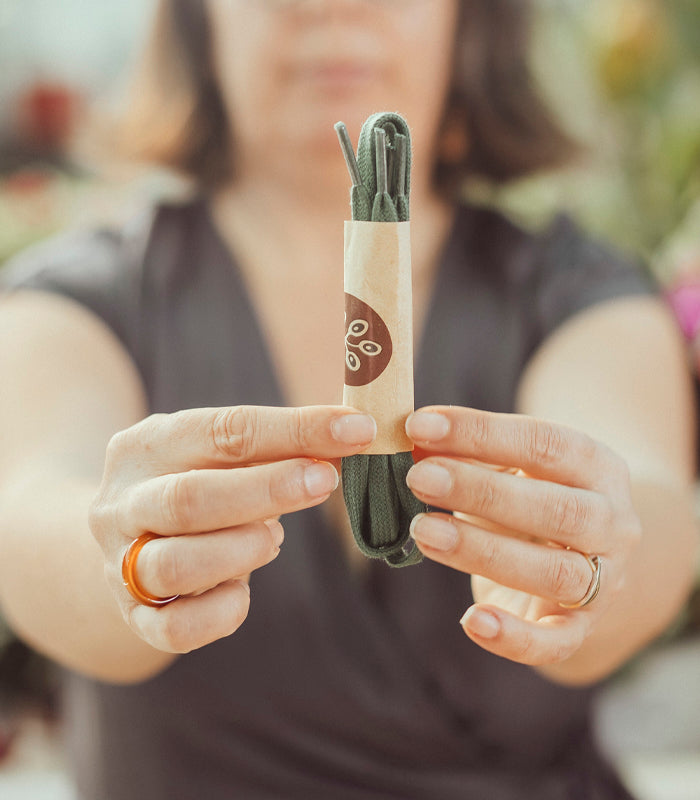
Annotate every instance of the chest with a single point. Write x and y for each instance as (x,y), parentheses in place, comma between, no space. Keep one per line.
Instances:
(302,324)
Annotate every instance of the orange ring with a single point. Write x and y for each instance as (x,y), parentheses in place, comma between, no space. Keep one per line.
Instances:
(129,574)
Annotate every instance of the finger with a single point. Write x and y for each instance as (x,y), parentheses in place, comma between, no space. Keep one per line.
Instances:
(562,514)
(188,564)
(231,436)
(553,573)
(550,640)
(207,500)
(542,449)
(191,622)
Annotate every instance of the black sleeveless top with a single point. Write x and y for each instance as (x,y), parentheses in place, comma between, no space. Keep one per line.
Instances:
(338,686)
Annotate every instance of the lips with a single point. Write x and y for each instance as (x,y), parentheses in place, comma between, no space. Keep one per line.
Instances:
(337,75)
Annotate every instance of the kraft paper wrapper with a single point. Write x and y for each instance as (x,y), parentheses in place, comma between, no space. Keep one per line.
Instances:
(378,273)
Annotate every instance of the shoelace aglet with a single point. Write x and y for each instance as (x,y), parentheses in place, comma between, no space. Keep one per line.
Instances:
(348,153)
(400,145)
(382,171)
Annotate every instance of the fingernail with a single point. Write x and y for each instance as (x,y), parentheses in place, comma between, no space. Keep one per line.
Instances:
(436,532)
(320,478)
(245,585)
(429,479)
(354,429)
(426,426)
(481,623)
(277,531)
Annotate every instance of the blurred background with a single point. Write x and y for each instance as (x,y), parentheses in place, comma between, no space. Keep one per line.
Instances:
(625,77)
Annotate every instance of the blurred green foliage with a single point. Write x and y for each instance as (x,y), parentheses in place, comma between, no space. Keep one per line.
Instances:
(624,76)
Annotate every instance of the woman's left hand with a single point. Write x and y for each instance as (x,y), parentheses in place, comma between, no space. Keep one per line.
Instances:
(528,499)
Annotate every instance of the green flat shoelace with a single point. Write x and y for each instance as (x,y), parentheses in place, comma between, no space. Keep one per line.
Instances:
(379,503)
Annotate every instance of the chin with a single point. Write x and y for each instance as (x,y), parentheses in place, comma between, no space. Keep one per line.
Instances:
(317,127)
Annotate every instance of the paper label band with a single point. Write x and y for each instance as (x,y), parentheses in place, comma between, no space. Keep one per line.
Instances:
(379,329)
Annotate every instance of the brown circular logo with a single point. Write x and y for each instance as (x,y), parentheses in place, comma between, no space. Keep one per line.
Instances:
(368,345)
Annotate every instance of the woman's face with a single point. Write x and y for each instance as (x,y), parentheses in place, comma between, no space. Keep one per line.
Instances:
(290,69)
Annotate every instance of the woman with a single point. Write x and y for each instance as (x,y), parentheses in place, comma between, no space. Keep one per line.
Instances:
(347,679)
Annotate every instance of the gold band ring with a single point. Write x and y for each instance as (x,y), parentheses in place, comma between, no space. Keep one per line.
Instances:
(596,565)
(129,574)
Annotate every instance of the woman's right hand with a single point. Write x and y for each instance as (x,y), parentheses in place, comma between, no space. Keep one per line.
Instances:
(212,482)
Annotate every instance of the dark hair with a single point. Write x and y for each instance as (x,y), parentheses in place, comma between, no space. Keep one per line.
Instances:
(496,125)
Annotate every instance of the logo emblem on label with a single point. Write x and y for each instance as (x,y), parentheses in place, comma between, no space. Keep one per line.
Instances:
(368,345)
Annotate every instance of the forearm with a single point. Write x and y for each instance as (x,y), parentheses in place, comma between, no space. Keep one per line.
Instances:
(659,578)
(52,587)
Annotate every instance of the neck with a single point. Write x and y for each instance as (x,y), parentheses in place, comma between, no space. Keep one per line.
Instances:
(298,208)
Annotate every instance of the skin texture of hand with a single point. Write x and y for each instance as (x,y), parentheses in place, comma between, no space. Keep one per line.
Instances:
(212,483)
(553,488)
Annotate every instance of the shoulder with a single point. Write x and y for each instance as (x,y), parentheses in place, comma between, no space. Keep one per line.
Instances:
(102,269)
(561,244)
(93,255)
(575,271)
(556,270)
(78,261)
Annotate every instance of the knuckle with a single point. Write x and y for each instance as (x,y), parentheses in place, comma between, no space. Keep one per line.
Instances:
(119,444)
(178,424)
(265,547)
(129,614)
(613,578)
(178,501)
(565,578)
(252,549)
(624,471)
(144,433)
(233,432)
(485,496)
(168,568)
(547,444)
(139,438)
(490,555)
(570,515)
(608,516)
(284,485)
(616,465)
(175,631)
(104,518)
(97,515)
(622,523)
(588,448)
(476,432)
(113,577)
(299,431)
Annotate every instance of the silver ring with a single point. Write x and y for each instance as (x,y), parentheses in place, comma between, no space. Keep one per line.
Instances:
(596,565)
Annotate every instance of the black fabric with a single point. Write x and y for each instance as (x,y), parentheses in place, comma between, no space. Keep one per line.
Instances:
(338,685)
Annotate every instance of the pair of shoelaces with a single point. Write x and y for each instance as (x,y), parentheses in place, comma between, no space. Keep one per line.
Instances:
(378,338)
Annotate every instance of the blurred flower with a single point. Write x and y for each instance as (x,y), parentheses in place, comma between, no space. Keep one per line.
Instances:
(635,46)
(684,298)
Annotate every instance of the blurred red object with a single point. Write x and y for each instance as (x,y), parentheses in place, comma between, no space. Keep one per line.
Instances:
(27,182)
(47,116)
